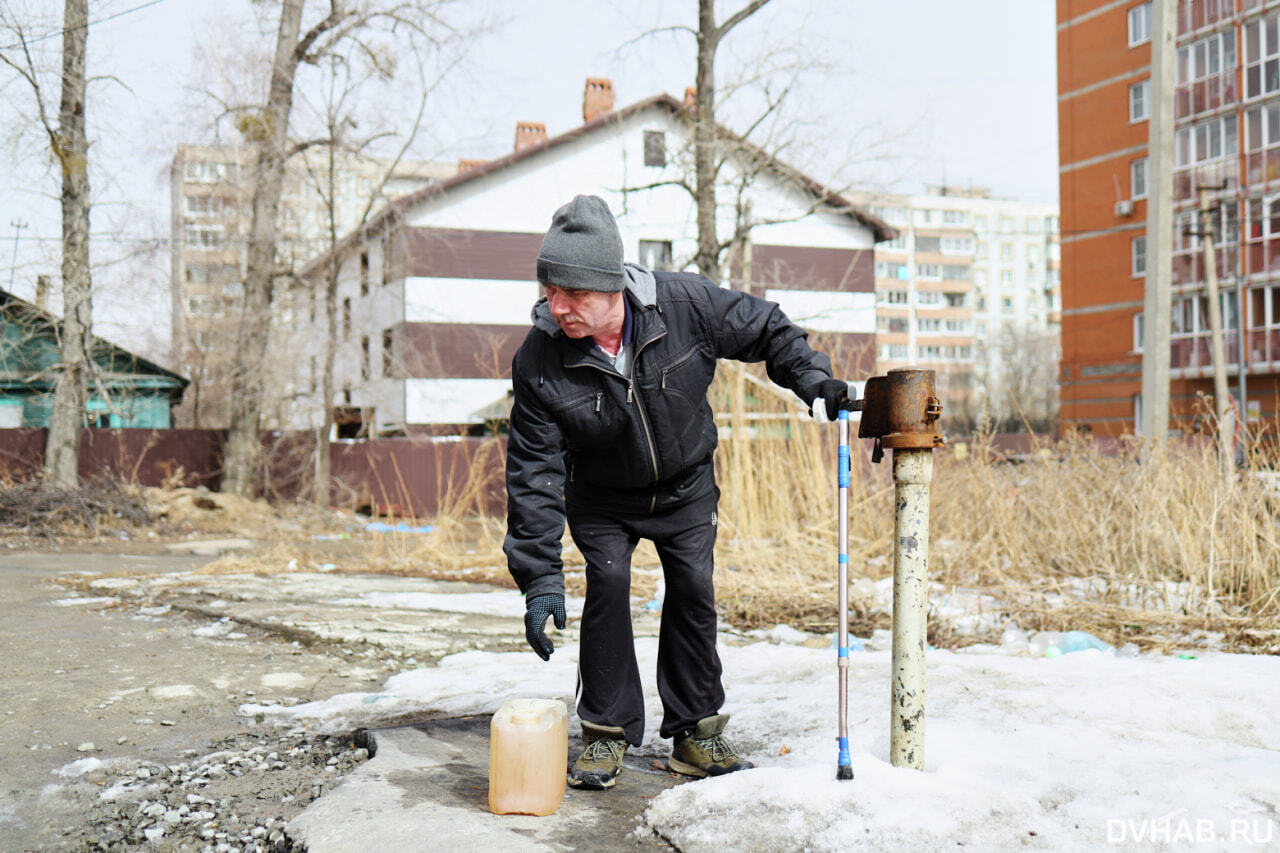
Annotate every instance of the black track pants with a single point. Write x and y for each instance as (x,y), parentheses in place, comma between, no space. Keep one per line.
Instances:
(689,669)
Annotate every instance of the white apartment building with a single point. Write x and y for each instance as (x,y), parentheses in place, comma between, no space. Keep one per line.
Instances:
(970,288)
(211,191)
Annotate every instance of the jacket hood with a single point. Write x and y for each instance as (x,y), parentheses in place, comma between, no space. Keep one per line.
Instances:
(641,284)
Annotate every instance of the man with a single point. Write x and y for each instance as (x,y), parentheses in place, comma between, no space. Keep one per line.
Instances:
(611,430)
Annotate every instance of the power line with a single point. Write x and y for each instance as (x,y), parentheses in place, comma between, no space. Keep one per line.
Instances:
(66,30)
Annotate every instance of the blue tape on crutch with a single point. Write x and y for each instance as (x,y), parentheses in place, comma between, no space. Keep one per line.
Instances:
(843,652)
(844,751)
(844,558)
(842,472)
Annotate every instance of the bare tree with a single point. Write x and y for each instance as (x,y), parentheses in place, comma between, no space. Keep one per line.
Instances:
(1020,366)
(344,88)
(69,146)
(346,25)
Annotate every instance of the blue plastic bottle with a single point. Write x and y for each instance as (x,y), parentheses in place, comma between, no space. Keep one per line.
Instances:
(1078,641)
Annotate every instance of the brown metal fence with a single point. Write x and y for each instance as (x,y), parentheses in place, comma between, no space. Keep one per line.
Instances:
(420,476)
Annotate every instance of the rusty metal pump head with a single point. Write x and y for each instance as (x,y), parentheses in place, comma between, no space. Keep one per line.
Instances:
(901,410)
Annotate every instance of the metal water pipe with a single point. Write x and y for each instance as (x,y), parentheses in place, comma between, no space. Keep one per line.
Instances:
(900,411)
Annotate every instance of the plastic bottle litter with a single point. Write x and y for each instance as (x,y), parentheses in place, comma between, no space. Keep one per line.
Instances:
(654,605)
(1128,650)
(1014,641)
(1042,641)
(528,752)
(1079,641)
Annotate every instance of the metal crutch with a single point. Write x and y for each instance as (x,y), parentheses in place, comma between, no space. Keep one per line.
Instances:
(844,766)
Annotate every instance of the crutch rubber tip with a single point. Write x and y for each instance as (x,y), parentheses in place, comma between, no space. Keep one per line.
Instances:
(844,773)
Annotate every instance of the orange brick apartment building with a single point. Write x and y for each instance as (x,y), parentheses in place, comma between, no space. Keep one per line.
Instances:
(1227,133)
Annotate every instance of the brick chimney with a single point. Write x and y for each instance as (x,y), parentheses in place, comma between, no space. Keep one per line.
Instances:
(530,133)
(597,98)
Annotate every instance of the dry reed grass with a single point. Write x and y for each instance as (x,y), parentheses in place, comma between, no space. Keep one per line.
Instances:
(1128,548)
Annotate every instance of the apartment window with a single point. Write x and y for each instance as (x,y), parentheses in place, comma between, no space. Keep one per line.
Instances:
(1138,178)
(1033,225)
(897,325)
(893,352)
(202,205)
(197,172)
(1140,101)
(925,324)
(1137,332)
(982,303)
(955,272)
(1138,251)
(925,216)
(889,214)
(899,242)
(891,297)
(958,327)
(955,217)
(929,271)
(1262,56)
(203,306)
(928,297)
(980,250)
(364,357)
(655,148)
(980,278)
(1139,24)
(386,258)
(315,377)
(957,245)
(980,223)
(655,254)
(203,236)
(955,300)
(1207,58)
(364,273)
(346,316)
(932,245)
(386,352)
(1031,278)
(1006,251)
(1033,252)
(1006,304)
(1006,225)
(1006,277)
(1208,140)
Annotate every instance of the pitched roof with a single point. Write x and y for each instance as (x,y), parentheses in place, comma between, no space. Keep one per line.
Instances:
(397,206)
(38,317)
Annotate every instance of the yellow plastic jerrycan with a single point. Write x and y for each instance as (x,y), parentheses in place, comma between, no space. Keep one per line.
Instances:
(528,756)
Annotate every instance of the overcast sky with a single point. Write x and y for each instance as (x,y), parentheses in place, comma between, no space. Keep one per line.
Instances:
(958,92)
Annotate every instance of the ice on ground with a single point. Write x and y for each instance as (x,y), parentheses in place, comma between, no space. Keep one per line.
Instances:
(1086,751)
(84,602)
(80,767)
(505,602)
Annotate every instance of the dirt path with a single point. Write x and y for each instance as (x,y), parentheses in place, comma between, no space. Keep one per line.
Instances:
(92,679)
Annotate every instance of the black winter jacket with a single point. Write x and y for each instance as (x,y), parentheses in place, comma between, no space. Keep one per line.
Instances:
(584,434)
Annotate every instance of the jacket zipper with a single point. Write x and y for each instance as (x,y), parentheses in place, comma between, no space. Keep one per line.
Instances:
(650,442)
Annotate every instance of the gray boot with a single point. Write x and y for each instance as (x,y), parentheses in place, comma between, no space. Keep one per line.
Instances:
(601,762)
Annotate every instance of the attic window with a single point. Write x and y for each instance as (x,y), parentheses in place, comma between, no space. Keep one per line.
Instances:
(655,254)
(655,148)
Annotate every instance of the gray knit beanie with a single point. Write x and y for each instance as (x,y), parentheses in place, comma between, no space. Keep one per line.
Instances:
(583,249)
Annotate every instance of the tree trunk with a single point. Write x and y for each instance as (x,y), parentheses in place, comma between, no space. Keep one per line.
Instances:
(324,455)
(704,142)
(62,451)
(269,131)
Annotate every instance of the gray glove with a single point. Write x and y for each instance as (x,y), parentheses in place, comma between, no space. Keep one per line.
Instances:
(537,609)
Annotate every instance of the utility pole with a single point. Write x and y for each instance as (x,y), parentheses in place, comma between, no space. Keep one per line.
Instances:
(1224,417)
(17,225)
(1159,237)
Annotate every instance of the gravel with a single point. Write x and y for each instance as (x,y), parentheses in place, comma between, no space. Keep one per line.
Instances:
(237,797)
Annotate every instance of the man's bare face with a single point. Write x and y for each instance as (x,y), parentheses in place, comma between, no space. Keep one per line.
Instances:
(583,313)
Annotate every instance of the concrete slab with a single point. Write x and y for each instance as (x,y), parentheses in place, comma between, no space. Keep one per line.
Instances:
(426,789)
(209,547)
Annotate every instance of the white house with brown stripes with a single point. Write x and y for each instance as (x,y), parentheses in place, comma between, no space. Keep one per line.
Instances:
(435,292)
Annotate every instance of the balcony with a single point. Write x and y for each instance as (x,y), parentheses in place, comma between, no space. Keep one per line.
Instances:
(1210,93)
